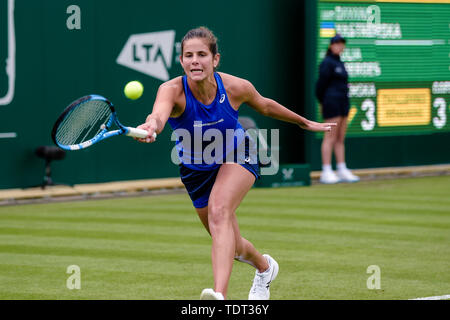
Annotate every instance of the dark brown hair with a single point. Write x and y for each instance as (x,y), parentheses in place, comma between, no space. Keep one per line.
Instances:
(202,33)
(329,52)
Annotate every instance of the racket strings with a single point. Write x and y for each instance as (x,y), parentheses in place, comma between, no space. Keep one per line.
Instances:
(83,123)
(96,119)
(72,126)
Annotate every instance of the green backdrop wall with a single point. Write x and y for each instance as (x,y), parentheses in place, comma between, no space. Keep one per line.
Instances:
(274,44)
(56,62)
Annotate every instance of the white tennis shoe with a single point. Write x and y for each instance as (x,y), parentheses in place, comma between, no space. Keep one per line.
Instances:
(210,294)
(261,282)
(346,175)
(329,177)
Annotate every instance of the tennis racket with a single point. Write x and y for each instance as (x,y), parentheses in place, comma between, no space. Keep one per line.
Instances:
(87,121)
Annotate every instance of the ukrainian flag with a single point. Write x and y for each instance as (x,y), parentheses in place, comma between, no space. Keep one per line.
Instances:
(327,30)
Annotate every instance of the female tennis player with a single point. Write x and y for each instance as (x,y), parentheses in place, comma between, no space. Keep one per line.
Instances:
(206,99)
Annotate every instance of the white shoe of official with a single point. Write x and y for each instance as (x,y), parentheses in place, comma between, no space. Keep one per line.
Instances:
(347,176)
(261,282)
(329,177)
(210,294)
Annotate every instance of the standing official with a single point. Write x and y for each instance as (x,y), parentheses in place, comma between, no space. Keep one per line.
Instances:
(332,93)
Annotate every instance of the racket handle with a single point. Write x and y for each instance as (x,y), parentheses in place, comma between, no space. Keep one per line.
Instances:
(138,133)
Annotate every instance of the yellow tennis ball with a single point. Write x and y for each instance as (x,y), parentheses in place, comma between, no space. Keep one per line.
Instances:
(133,90)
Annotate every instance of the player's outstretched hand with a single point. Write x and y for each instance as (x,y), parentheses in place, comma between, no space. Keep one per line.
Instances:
(150,128)
(317,126)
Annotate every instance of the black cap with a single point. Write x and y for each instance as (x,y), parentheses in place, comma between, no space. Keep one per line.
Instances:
(337,38)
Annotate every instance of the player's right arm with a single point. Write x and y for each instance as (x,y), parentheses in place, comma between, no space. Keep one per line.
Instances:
(163,108)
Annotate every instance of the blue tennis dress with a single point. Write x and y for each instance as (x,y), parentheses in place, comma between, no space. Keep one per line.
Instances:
(207,136)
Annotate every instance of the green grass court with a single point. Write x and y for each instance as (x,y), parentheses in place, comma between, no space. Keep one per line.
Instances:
(323,237)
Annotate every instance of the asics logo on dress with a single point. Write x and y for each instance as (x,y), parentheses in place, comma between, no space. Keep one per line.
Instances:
(222,98)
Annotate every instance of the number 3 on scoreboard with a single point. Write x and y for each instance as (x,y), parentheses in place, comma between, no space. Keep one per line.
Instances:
(369,123)
(441,119)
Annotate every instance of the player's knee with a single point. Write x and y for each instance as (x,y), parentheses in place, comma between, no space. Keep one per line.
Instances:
(218,215)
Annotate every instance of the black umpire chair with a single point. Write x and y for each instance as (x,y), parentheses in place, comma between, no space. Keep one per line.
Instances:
(49,154)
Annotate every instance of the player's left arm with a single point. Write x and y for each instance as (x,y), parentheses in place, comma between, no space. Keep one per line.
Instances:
(273,109)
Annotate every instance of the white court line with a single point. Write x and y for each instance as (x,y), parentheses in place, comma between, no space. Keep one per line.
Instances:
(447,296)
(8,135)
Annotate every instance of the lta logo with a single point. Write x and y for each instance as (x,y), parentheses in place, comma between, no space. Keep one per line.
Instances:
(149,53)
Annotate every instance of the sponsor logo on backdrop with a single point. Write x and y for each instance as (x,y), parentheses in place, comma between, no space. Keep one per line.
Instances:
(288,173)
(150,53)
(10,64)
(11,58)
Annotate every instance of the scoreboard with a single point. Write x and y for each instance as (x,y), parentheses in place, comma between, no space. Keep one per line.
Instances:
(398,59)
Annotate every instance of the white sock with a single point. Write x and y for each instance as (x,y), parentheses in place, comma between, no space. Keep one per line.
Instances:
(341,166)
(327,168)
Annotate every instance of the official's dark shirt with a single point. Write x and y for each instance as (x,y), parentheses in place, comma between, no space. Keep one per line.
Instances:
(333,79)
